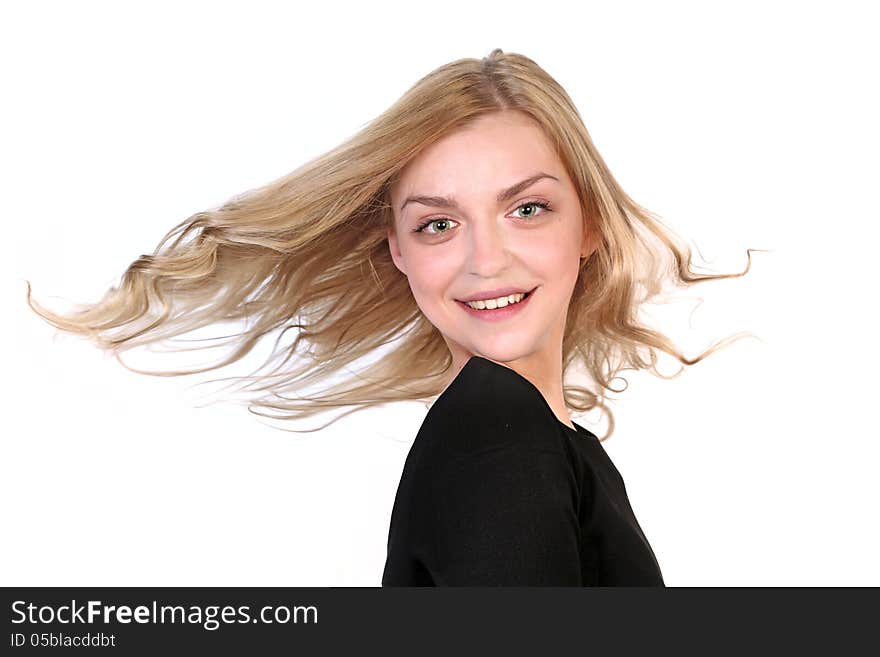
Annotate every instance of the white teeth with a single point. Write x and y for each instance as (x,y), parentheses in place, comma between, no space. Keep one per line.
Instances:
(500,302)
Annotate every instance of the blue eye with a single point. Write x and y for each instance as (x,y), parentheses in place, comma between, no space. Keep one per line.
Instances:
(428,223)
(539,204)
(441,220)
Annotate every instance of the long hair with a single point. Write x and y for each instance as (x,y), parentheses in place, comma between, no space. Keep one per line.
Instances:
(309,252)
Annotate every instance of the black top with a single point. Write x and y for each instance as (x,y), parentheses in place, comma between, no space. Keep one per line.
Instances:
(497,491)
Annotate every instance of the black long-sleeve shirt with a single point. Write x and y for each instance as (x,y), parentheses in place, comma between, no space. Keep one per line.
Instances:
(497,491)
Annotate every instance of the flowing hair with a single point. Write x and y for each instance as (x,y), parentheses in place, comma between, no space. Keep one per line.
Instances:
(309,252)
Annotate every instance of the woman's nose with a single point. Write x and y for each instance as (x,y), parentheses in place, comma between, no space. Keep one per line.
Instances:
(487,248)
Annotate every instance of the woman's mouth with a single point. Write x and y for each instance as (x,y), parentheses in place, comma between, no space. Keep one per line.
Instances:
(499,312)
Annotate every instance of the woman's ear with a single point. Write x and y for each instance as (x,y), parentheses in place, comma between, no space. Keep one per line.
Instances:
(590,242)
(394,248)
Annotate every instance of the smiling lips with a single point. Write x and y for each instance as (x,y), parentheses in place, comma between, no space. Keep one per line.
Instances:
(500,302)
(497,293)
(492,312)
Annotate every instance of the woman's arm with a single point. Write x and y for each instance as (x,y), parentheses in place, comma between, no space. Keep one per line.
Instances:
(505,516)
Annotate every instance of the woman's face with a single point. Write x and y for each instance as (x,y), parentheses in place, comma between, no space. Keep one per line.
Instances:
(482,240)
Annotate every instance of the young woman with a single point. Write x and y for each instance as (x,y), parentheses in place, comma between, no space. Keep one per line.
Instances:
(474,225)
(500,486)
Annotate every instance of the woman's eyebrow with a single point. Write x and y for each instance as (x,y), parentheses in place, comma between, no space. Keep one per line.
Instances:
(449,202)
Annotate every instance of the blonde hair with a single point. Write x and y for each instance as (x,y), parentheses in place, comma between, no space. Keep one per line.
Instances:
(309,252)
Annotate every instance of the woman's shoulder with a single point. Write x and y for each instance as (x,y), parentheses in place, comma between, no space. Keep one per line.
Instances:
(489,406)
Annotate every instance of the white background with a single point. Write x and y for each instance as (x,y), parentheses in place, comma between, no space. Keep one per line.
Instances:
(744,125)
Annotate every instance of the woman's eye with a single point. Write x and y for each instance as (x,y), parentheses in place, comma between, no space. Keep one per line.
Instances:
(444,221)
(428,223)
(538,204)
